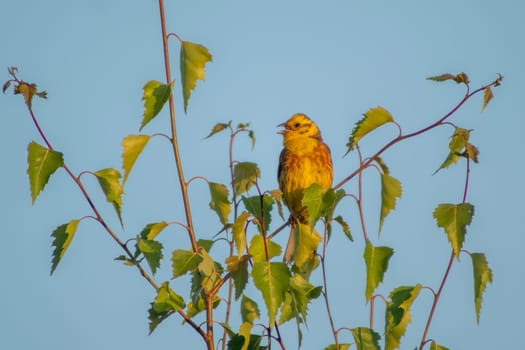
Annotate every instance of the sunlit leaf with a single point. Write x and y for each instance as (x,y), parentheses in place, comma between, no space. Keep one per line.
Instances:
(42,163)
(238,269)
(460,78)
(257,249)
(374,118)
(272,280)
(398,314)
(218,128)
(167,299)
(277,195)
(301,294)
(376,260)
(110,185)
(482,276)
(209,271)
(155,95)
(456,146)
(152,251)
(249,310)
(487,96)
(454,219)
(28,91)
(62,237)
(132,146)
(472,152)
(239,232)
(184,261)
(390,191)
(193,58)
(366,338)
(307,240)
(150,231)
(245,175)
(436,346)
(165,303)
(220,202)
(340,346)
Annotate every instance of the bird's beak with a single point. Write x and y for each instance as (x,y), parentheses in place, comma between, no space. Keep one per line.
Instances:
(282,125)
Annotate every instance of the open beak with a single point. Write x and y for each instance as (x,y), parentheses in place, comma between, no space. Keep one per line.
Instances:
(282,125)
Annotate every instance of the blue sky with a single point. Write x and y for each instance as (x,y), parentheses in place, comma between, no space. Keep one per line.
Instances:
(332,61)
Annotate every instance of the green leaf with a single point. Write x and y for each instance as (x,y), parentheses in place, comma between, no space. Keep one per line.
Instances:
(218,128)
(219,201)
(306,241)
(237,342)
(366,338)
(28,91)
(301,293)
(245,175)
(376,260)
(193,58)
(390,191)
(249,310)
(62,237)
(374,118)
(320,202)
(205,244)
(454,218)
(109,182)
(209,271)
(442,77)
(42,163)
(251,135)
(272,280)
(277,196)
(257,251)
(152,251)
(165,303)
(436,346)
(458,78)
(132,146)
(487,96)
(342,346)
(253,205)
(398,314)
(167,299)
(150,231)
(244,332)
(472,152)
(456,146)
(346,228)
(482,276)
(184,261)
(239,232)
(155,95)
(238,269)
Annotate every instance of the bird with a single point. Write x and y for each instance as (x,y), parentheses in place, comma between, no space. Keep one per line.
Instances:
(304,160)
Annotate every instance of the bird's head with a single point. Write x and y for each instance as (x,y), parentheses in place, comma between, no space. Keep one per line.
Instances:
(299,126)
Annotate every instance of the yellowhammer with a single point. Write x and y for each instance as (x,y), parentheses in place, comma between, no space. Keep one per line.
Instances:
(305,160)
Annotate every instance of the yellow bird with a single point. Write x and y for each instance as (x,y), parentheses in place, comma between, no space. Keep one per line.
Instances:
(304,160)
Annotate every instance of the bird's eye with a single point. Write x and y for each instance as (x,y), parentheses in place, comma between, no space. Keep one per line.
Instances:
(296,125)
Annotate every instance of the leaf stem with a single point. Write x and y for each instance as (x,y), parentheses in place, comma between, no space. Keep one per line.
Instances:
(436,299)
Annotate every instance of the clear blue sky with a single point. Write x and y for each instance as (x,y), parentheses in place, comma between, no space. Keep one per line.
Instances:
(332,61)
